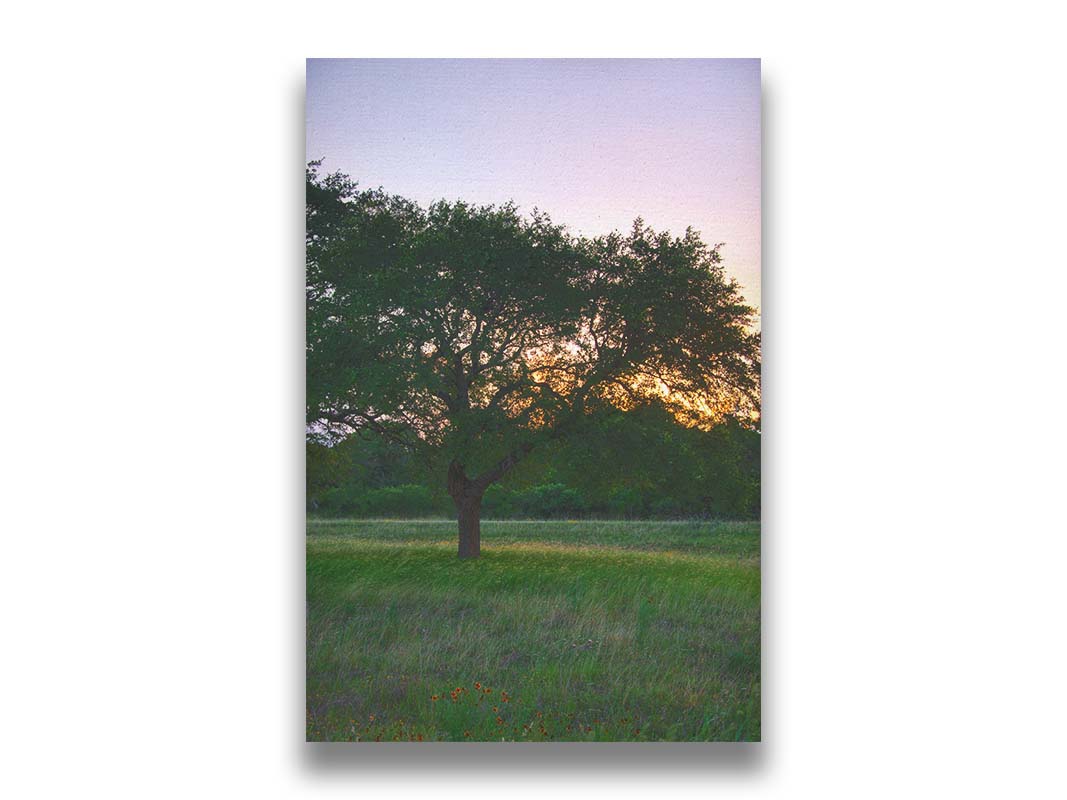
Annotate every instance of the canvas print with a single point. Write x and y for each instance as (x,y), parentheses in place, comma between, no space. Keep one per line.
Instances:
(533,400)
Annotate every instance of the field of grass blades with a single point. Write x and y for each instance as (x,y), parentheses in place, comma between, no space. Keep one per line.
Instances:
(561,631)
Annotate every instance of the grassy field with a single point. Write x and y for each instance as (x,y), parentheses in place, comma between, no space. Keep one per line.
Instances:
(561,631)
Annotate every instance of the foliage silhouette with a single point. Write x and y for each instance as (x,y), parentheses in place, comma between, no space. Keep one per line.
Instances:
(472,335)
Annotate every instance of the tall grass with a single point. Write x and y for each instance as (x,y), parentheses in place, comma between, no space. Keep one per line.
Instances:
(596,631)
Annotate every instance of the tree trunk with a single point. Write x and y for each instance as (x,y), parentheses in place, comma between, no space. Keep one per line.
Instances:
(467,495)
(469,509)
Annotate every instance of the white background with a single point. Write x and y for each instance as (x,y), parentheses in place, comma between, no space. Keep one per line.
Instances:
(151,321)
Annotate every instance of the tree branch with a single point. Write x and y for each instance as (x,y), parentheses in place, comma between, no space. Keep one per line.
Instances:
(497,471)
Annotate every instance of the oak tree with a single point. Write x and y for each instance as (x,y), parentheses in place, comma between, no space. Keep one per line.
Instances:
(471,334)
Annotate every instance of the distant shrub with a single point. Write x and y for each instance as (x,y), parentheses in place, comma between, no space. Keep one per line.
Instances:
(498,502)
(548,501)
(342,501)
(409,500)
(670,508)
(625,501)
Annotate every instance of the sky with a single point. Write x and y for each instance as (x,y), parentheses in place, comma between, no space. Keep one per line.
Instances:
(595,143)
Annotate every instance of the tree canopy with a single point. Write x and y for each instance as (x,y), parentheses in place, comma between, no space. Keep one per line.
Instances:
(470,334)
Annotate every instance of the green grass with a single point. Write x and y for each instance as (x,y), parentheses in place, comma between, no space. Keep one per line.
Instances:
(596,631)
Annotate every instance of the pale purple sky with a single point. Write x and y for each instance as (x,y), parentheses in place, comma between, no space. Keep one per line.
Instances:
(595,143)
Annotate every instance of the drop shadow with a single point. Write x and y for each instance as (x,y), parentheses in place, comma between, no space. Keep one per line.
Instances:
(430,760)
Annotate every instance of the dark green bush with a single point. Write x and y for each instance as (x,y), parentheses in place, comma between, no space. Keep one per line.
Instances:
(549,501)
(634,465)
(498,503)
(625,501)
(342,501)
(408,500)
(671,508)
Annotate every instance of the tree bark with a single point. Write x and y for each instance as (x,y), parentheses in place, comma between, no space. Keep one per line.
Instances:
(467,495)
(470,530)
